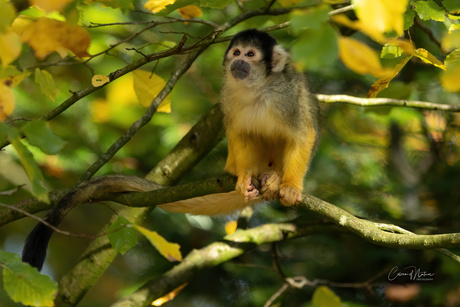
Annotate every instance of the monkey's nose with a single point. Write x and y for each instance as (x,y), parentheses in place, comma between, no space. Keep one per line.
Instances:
(240,69)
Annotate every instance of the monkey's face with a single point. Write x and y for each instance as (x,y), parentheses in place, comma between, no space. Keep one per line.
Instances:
(245,63)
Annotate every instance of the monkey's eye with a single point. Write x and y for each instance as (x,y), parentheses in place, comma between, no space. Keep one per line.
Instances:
(236,52)
(250,54)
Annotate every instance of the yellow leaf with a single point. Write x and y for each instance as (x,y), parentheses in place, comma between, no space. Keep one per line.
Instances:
(47,35)
(406,45)
(169,250)
(356,25)
(383,82)
(119,102)
(450,78)
(6,101)
(20,23)
(190,11)
(99,80)
(360,58)
(157,5)
(147,86)
(452,39)
(168,297)
(100,110)
(11,77)
(10,47)
(428,58)
(230,227)
(380,16)
(7,15)
(51,5)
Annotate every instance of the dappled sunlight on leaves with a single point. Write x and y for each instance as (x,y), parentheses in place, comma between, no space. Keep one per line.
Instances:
(157,5)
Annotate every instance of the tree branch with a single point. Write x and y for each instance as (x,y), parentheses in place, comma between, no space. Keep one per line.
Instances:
(372,102)
(376,233)
(243,241)
(232,246)
(136,126)
(99,254)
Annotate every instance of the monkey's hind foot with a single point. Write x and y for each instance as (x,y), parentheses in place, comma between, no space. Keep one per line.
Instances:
(247,187)
(290,196)
(270,183)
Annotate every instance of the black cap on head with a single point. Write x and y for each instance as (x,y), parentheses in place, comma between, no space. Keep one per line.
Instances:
(260,40)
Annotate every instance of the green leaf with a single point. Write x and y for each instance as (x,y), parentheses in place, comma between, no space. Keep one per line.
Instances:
(316,48)
(124,236)
(453,6)
(4,129)
(390,51)
(6,257)
(324,297)
(24,284)
(33,171)
(311,18)
(409,16)
(46,82)
(123,4)
(177,5)
(9,71)
(427,10)
(404,116)
(215,4)
(38,133)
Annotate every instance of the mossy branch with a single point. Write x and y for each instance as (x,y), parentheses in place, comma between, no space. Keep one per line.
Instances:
(376,233)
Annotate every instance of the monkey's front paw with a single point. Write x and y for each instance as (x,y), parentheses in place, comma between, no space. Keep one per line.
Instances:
(270,183)
(290,196)
(247,187)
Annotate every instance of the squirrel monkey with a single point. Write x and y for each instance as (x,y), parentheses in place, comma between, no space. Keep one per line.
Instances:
(271,120)
(271,123)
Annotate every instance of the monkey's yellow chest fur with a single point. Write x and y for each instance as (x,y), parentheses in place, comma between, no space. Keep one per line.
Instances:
(256,135)
(253,115)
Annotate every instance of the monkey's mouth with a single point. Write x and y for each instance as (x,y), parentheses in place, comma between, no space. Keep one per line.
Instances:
(240,69)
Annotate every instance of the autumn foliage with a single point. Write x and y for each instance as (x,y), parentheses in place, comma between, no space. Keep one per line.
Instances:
(96,87)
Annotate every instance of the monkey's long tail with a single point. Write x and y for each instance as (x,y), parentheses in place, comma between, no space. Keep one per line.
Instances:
(212,204)
(34,251)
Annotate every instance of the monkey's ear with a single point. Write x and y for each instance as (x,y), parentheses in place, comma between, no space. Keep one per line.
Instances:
(279,58)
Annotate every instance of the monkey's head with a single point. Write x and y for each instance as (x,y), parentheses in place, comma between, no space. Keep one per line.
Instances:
(252,55)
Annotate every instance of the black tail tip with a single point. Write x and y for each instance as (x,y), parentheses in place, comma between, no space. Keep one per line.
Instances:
(34,251)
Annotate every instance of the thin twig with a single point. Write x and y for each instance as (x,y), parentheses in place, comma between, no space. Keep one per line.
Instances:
(12,191)
(371,102)
(276,263)
(195,20)
(342,10)
(276,294)
(63,232)
(136,126)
